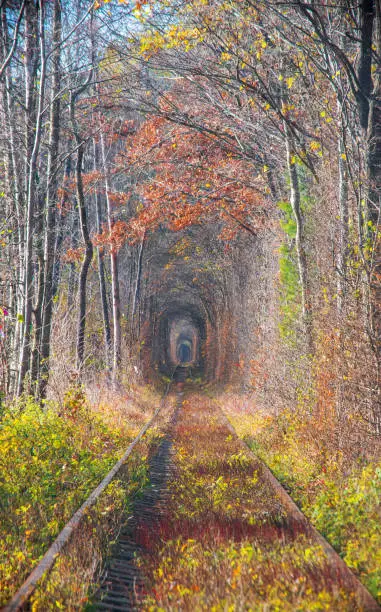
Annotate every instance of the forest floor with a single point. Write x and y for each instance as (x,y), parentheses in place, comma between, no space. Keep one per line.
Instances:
(211,532)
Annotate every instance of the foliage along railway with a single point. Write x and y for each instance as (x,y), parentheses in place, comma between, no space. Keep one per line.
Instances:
(212,530)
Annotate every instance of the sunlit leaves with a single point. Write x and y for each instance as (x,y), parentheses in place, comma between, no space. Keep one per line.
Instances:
(175,36)
(195,179)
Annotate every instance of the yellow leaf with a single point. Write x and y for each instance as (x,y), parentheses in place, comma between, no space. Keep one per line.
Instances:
(290,81)
(225,57)
(315,145)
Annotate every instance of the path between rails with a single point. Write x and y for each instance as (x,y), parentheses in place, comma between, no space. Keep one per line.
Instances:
(216,531)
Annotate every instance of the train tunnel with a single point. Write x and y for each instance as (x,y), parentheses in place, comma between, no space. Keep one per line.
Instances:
(187,310)
(180,339)
(184,351)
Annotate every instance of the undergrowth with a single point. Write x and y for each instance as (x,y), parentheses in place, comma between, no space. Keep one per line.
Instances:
(77,573)
(51,458)
(243,576)
(224,540)
(339,490)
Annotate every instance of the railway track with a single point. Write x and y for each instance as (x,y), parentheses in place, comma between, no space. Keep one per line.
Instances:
(128,579)
(123,585)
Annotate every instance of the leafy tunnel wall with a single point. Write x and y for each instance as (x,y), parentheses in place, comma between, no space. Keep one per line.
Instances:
(188,297)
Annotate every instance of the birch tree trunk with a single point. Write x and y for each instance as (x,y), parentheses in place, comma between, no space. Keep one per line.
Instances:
(51,191)
(14,182)
(114,273)
(101,272)
(34,130)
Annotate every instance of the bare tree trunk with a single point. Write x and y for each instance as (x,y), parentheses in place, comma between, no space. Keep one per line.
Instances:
(373,208)
(101,272)
(374,135)
(50,235)
(60,234)
(71,284)
(5,60)
(367,14)
(342,259)
(32,172)
(37,308)
(299,240)
(80,348)
(14,182)
(114,273)
(83,221)
(136,296)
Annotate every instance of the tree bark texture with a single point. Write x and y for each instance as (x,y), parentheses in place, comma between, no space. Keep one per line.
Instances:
(101,273)
(51,205)
(34,129)
(117,337)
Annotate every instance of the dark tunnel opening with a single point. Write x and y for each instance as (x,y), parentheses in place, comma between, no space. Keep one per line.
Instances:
(184,353)
(180,338)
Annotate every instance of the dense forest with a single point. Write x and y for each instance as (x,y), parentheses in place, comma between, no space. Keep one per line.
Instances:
(190,181)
